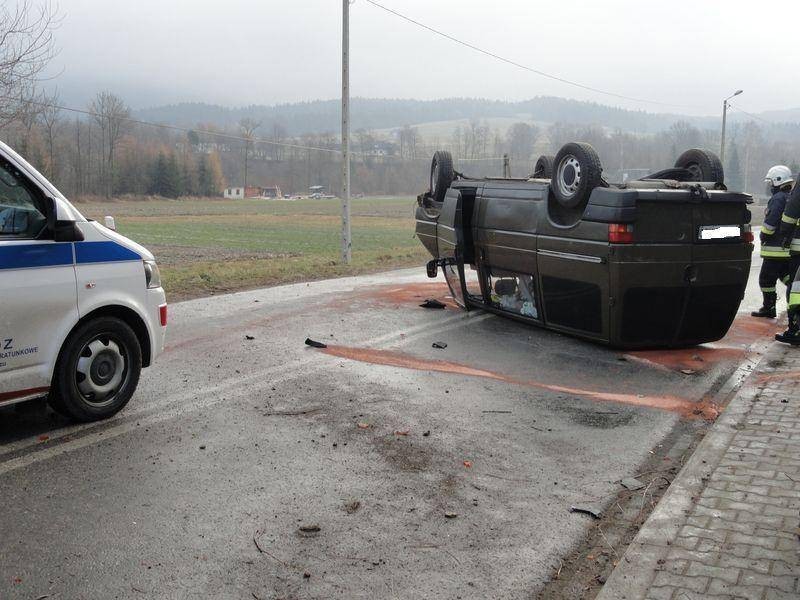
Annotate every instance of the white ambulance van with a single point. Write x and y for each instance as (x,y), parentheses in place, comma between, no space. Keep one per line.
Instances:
(82,309)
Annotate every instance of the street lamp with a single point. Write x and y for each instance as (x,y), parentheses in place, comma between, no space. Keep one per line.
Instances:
(724,121)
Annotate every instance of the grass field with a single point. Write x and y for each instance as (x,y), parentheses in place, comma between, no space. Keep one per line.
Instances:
(210,246)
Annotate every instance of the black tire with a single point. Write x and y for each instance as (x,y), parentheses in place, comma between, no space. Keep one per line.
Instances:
(703,165)
(442,174)
(97,370)
(577,171)
(543,169)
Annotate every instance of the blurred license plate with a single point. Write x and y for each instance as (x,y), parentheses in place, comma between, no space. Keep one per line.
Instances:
(719,232)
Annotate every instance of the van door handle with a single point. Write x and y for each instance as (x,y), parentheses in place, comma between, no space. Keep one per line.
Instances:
(690,274)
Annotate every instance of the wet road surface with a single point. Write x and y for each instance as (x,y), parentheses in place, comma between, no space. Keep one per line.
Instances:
(429,473)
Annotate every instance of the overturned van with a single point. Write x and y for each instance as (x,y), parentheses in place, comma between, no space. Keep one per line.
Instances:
(658,262)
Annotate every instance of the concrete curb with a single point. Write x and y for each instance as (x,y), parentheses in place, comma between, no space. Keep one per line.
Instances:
(633,576)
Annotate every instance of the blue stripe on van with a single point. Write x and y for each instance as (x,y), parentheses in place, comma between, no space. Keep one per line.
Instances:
(27,256)
(54,254)
(97,252)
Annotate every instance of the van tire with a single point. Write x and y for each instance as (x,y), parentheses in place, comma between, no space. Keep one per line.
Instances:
(543,168)
(442,174)
(577,171)
(704,165)
(97,370)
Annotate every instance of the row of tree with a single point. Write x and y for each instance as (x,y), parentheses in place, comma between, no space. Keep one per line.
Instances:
(103,151)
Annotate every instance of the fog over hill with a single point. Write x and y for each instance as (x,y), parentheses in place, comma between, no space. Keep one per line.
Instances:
(321,116)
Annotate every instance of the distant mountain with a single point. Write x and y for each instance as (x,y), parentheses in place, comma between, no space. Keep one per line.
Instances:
(322,116)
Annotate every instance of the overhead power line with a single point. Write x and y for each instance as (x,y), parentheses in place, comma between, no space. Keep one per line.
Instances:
(526,67)
(752,116)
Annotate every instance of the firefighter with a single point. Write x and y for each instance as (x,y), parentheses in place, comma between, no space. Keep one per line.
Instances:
(776,263)
(790,238)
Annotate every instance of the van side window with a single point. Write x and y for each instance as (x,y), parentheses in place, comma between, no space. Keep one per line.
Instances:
(20,216)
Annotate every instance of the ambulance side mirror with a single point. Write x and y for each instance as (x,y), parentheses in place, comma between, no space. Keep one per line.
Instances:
(61,231)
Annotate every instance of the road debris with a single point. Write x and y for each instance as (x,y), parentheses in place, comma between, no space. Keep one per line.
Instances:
(352,506)
(632,484)
(450,515)
(257,535)
(427,433)
(439,345)
(433,303)
(688,371)
(363,425)
(309,528)
(404,432)
(315,344)
(468,464)
(496,412)
(587,509)
(249,337)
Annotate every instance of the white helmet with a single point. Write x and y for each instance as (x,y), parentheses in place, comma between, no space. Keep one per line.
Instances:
(778,176)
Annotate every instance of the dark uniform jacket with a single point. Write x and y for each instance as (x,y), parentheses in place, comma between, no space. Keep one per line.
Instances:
(789,231)
(771,238)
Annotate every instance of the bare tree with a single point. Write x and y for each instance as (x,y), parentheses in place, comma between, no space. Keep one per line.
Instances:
(26,46)
(521,139)
(113,116)
(51,113)
(248,128)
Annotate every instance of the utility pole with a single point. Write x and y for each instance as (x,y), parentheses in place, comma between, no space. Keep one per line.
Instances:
(506,167)
(724,123)
(346,238)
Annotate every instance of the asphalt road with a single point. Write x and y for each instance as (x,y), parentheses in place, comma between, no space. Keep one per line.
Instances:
(430,473)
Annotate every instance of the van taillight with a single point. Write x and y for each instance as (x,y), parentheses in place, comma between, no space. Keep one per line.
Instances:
(747,235)
(620,233)
(162,313)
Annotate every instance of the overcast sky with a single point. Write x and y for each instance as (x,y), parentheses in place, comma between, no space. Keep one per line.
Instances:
(238,52)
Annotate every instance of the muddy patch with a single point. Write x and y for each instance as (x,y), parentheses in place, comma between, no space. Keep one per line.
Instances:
(402,453)
(598,419)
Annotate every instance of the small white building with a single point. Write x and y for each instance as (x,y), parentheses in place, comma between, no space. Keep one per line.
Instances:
(234,193)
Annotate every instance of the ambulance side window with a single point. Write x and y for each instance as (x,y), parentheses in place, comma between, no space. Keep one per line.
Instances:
(21,216)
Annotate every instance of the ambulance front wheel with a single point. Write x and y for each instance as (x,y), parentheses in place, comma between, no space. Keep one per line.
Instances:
(97,370)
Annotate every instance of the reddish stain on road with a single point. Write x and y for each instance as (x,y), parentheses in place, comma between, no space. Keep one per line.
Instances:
(682,406)
(745,332)
(413,293)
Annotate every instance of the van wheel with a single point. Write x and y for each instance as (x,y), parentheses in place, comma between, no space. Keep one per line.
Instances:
(577,172)
(703,165)
(97,371)
(442,174)
(543,169)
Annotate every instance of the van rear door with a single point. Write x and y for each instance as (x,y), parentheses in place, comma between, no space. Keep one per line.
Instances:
(679,283)
(720,265)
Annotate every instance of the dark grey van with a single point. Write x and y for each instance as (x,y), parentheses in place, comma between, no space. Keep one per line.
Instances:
(657,262)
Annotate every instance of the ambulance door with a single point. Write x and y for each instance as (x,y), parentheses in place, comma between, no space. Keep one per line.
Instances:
(38,299)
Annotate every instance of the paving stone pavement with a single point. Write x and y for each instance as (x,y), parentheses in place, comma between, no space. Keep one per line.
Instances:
(727,528)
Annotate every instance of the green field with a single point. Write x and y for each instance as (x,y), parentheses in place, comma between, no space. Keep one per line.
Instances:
(210,246)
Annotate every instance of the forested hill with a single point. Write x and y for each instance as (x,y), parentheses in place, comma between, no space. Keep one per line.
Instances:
(368,113)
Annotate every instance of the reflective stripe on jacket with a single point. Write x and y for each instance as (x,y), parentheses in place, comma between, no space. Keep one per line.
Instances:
(794,294)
